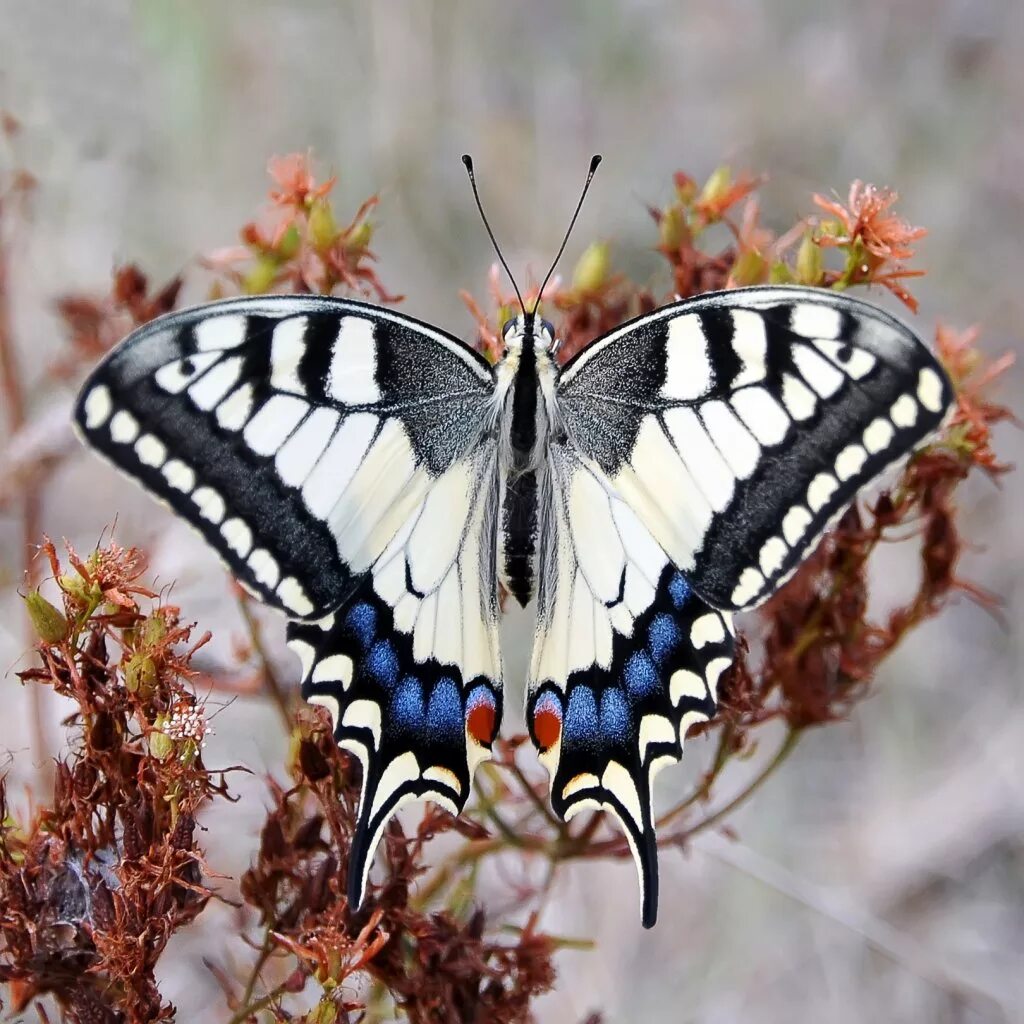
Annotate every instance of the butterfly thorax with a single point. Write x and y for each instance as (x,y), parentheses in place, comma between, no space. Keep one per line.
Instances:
(526,378)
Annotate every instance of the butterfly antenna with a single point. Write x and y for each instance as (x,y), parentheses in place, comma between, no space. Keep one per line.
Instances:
(468,161)
(594,162)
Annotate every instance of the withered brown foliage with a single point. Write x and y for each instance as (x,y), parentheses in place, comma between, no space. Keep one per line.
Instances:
(96,882)
(437,966)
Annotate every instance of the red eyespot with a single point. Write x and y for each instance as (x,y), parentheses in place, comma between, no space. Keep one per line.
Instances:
(480,722)
(547,727)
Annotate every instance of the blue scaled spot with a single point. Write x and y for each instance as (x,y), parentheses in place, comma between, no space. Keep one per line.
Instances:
(678,590)
(640,675)
(663,637)
(581,715)
(407,704)
(614,715)
(444,710)
(362,620)
(382,664)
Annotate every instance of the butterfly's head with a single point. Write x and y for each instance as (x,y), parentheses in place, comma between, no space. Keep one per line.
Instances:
(528,330)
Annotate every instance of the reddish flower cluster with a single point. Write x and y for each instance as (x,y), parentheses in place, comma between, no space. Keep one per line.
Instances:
(303,249)
(95,326)
(874,240)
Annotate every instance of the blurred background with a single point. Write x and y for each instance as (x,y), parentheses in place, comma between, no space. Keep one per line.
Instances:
(880,874)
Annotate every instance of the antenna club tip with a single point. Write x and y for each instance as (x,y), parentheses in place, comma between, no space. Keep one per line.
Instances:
(595,160)
(468,161)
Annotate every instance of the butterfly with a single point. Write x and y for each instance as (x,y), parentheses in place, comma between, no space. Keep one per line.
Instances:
(375,479)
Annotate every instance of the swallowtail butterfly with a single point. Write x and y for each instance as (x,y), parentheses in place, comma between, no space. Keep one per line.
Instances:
(374,478)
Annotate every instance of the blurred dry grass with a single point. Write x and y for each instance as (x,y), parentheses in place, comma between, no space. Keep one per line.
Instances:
(880,873)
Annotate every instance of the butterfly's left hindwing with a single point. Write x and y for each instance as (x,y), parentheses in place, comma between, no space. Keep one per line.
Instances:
(626,659)
(409,668)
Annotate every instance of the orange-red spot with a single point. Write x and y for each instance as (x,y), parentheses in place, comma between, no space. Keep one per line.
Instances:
(547,727)
(480,722)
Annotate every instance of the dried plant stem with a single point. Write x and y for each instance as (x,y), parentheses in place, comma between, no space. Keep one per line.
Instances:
(539,802)
(12,388)
(277,693)
(723,753)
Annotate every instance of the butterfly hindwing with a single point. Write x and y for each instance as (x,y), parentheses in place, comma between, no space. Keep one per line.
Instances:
(409,668)
(296,433)
(626,659)
(739,424)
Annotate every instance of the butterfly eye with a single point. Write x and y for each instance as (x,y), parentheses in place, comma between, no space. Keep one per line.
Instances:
(549,327)
(509,324)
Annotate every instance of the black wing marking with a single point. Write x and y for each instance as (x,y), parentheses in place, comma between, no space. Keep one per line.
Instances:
(409,667)
(626,659)
(739,424)
(296,433)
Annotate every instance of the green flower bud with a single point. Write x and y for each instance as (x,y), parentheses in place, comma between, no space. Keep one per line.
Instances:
(359,237)
(47,620)
(323,229)
(74,586)
(261,276)
(717,185)
(289,244)
(809,261)
(592,268)
(154,629)
(673,229)
(748,269)
(140,674)
(161,746)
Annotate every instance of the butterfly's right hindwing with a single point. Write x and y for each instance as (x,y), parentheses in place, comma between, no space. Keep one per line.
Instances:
(296,433)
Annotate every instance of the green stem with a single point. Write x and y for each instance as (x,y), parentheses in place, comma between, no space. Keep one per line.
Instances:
(722,756)
(251,1009)
(788,744)
(254,975)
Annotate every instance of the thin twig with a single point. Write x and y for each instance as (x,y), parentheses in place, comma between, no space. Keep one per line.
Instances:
(12,388)
(277,693)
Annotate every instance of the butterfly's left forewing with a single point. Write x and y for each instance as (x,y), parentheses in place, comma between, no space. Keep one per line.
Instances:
(626,658)
(296,433)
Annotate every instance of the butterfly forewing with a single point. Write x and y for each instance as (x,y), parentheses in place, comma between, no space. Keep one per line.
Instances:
(738,424)
(294,432)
